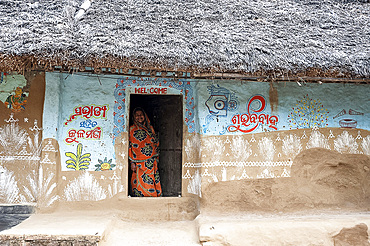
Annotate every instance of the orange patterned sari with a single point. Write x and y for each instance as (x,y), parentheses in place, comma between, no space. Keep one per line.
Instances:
(143,151)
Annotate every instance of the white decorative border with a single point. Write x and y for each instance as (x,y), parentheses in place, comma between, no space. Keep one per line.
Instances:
(287,163)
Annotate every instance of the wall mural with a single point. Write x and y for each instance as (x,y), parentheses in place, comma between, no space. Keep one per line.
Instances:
(78,161)
(86,188)
(365,145)
(251,120)
(104,165)
(47,150)
(2,77)
(346,122)
(10,192)
(41,188)
(89,130)
(184,87)
(241,134)
(88,111)
(224,114)
(12,92)
(84,135)
(195,184)
(295,107)
(16,101)
(15,140)
(192,147)
(220,102)
(21,151)
(308,113)
(256,156)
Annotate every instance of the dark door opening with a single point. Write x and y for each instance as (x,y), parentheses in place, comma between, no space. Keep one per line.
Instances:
(166,115)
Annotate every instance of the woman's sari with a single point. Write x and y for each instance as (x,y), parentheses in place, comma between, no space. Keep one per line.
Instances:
(143,151)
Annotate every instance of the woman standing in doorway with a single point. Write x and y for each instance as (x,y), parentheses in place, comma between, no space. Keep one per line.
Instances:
(144,156)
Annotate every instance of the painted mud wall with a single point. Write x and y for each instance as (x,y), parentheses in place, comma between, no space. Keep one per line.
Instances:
(233,132)
(86,123)
(282,147)
(252,130)
(23,179)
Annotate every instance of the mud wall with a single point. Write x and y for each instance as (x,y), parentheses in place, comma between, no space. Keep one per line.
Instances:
(86,122)
(320,180)
(251,132)
(235,134)
(21,109)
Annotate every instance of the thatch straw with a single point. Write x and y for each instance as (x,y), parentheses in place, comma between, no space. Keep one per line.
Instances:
(260,36)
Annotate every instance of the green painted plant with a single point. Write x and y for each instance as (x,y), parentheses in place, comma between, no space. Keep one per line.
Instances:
(79,161)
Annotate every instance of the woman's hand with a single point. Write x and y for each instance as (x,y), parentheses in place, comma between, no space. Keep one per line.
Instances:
(133,166)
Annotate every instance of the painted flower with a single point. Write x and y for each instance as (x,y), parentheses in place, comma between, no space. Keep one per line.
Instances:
(104,165)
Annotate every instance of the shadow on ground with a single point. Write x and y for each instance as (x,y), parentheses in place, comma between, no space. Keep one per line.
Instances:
(13,215)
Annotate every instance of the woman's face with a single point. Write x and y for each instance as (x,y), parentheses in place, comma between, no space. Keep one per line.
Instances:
(139,116)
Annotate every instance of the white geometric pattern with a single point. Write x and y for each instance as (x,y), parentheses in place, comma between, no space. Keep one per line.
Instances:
(49,147)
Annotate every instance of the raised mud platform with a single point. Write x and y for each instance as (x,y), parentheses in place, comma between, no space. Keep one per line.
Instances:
(117,221)
(111,228)
(324,229)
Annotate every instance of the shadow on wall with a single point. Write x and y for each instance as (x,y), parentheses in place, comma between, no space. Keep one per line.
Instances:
(320,179)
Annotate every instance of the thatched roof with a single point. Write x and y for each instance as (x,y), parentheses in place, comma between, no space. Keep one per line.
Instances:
(329,37)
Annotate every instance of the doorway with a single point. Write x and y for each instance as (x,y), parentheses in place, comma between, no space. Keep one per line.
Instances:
(166,116)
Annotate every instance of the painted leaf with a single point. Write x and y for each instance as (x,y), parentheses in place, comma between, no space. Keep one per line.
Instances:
(71,166)
(79,149)
(84,166)
(71,155)
(85,160)
(86,155)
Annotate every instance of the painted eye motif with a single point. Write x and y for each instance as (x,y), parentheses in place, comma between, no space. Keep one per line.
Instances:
(219,104)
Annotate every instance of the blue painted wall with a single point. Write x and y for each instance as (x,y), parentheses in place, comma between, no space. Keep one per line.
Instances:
(210,108)
(329,105)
